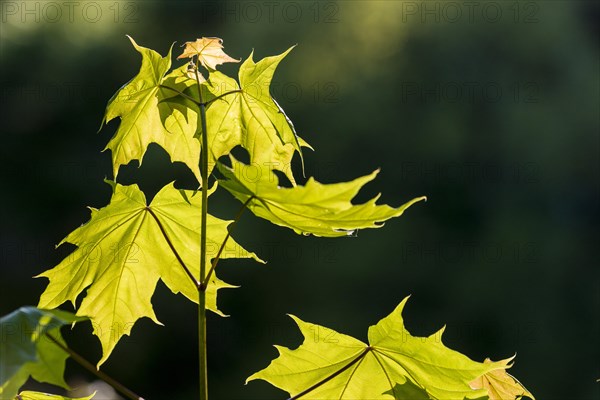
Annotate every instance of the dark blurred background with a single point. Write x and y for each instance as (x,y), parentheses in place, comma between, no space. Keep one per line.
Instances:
(489,108)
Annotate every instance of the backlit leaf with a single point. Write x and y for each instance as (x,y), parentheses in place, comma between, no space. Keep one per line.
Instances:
(249,117)
(152,113)
(26,351)
(329,365)
(123,251)
(316,208)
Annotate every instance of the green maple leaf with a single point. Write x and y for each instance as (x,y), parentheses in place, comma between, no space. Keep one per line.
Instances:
(150,112)
(316,208)
(329,365)
(26,351)
(250,117)
(126,248)
(46,396)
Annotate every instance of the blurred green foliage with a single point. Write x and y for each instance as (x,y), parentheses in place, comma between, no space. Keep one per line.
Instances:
(491,109)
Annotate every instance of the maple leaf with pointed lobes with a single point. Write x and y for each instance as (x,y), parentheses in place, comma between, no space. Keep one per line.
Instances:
(209,52)
(26,351)
(500,384)
(315,208)
(124,250)
(245,114)
(151,111)
(332,366)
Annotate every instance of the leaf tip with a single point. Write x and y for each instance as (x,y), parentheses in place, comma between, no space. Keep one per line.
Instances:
(251,378)
(132,41)
(258,259)
(438,335)
(510,361)
(402,304)
(371,176)
(101,124)
(297,320)
(40,275)
(413,201)
(285,53)
(111,183)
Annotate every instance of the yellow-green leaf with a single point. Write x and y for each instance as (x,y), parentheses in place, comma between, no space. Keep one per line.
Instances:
(332,366)
(26,351)
(150,112)
(500,384)
(250,117)
(126,248)
(316,208)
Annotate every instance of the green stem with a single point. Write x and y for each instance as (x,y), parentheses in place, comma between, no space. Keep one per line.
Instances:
(99,374)
(202,288)
(215,261)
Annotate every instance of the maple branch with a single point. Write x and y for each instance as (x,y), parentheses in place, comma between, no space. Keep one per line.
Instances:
(164,232)
(215,261)
(203,364)
(119,387)
(190,98)
(222,95)
(333,375)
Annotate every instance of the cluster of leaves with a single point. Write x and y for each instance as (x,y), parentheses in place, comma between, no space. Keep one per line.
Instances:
(129,245)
